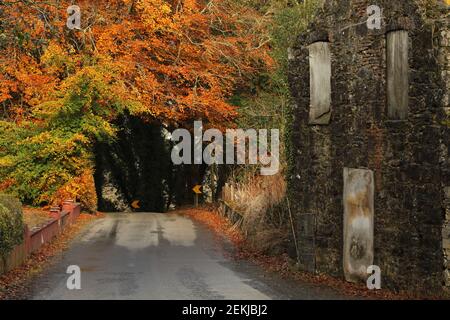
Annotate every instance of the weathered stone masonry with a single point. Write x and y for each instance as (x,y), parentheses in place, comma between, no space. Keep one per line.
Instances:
(408,157)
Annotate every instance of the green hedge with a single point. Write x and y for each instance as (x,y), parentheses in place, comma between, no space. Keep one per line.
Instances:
(11,224)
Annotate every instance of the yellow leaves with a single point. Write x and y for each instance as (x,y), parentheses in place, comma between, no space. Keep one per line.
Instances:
(155,15)
(55,59)
(165,9)
(47,110)
(6,161)
(52,145)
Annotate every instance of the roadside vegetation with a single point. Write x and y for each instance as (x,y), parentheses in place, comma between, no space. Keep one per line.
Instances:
(173,62)
(11,225)
(61,90)
(282,264)
(262,200)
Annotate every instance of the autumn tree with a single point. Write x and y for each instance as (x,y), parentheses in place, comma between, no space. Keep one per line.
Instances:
(61,89)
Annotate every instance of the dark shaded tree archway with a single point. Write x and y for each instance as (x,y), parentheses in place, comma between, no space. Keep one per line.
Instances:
(134,167)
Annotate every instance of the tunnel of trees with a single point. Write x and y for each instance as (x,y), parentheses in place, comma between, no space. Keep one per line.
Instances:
(84,111)
(137,166)
(133,167)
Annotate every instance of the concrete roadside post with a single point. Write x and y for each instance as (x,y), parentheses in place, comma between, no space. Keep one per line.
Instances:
(68,205)
(55,213)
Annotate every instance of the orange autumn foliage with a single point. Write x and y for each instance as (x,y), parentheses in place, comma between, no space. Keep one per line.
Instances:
(167,60)
(177,60)
(82,189)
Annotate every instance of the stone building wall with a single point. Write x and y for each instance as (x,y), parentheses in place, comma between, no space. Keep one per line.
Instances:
(446,240)
(443,42)
(408,158)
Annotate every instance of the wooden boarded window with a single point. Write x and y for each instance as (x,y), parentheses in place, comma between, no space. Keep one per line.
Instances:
(320,83)
(397,75)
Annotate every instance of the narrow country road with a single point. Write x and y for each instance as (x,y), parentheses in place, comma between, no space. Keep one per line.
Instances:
(161,256)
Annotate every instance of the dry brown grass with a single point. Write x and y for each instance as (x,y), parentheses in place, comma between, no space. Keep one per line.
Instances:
(34,217)
(263,226)
(263,191)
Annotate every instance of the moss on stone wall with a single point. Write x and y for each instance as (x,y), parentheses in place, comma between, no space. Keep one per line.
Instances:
(407,156)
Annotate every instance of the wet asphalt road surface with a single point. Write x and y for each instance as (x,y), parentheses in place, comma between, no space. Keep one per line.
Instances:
(161,256)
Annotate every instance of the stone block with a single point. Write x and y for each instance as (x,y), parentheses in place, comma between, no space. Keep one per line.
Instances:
(358,223)
(320,83)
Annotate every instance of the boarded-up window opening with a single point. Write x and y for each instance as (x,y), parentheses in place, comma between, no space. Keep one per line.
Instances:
(320,83)
(358,223)
(397,75)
